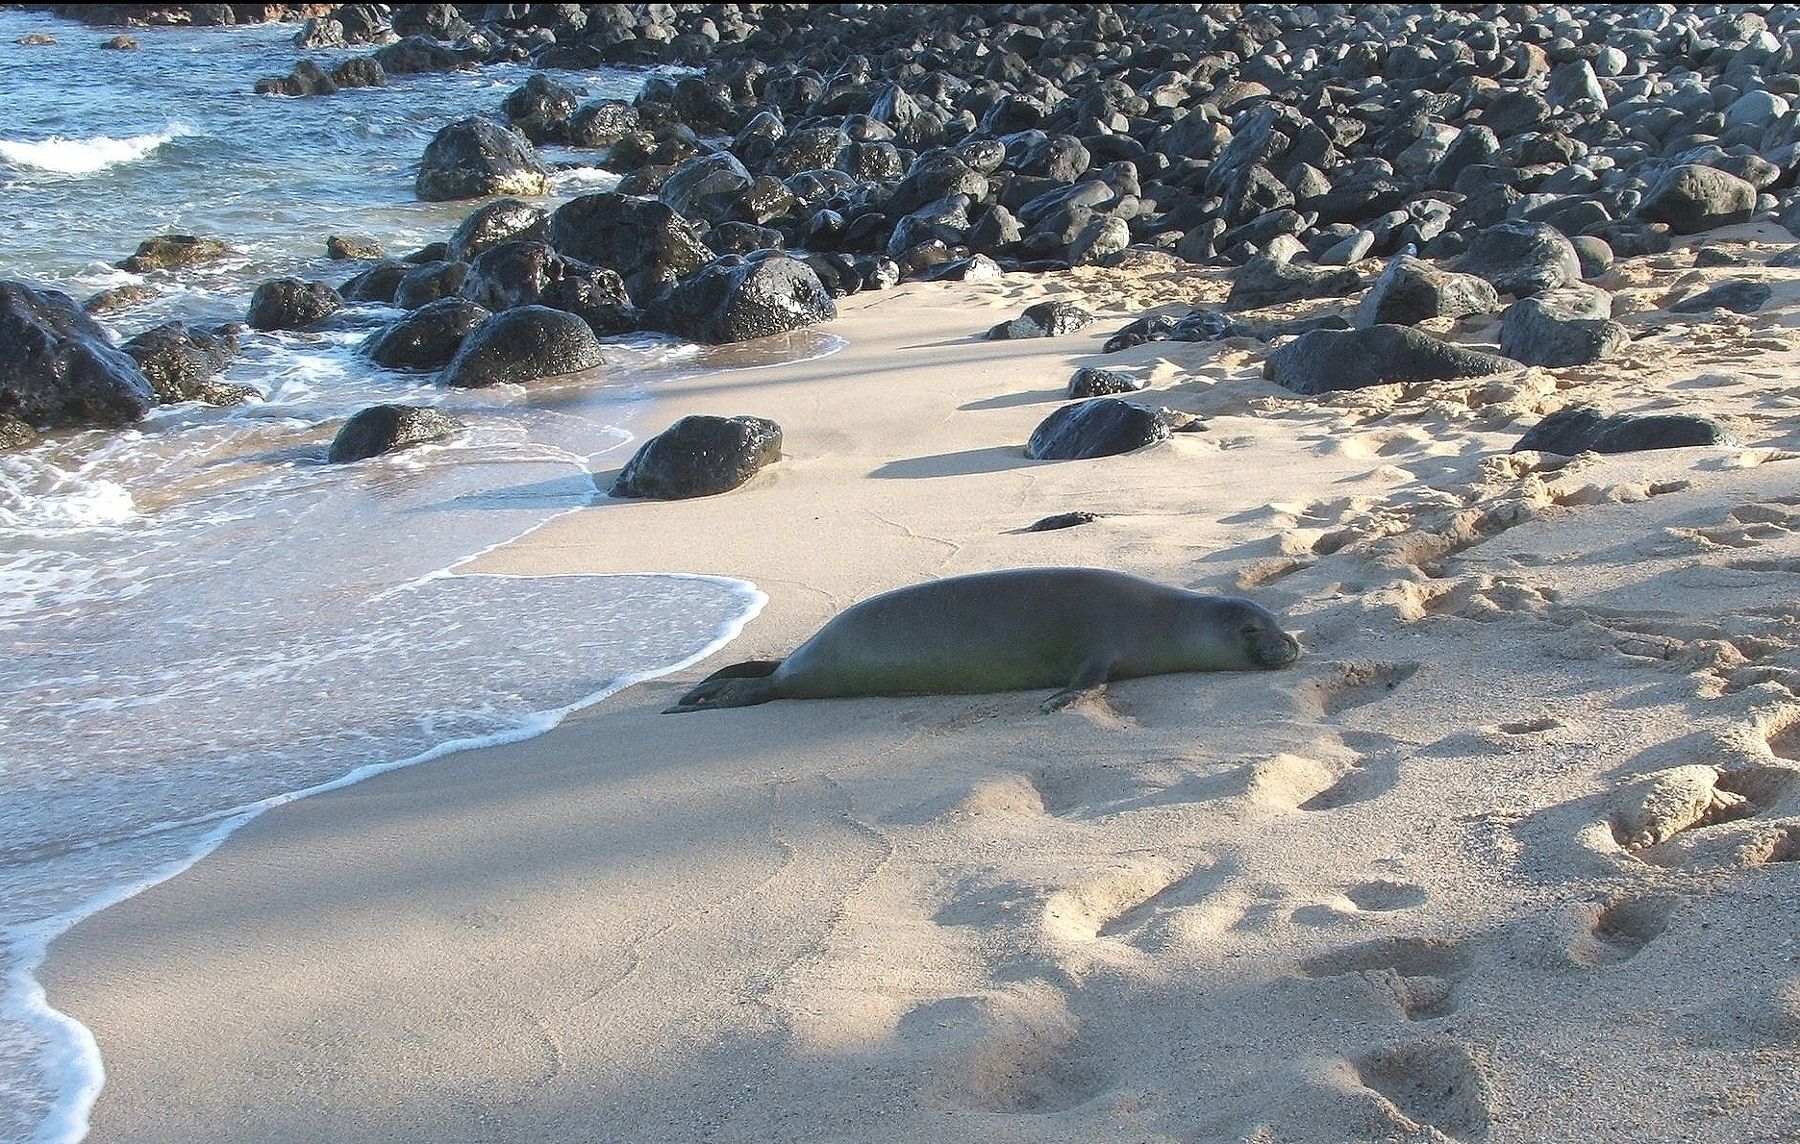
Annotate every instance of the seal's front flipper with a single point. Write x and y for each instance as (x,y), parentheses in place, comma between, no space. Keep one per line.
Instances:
(1090,680)
(740,685)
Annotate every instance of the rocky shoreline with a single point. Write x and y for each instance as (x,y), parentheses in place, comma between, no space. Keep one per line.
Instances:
(1498,159)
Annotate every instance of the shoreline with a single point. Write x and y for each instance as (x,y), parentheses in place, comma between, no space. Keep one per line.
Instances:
(771,923)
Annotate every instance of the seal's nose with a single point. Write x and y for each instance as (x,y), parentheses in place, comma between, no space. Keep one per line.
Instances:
(1285,653)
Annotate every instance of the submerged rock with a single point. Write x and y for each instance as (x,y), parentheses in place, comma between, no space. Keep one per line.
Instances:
(384,428)
(699,456)
(170,251)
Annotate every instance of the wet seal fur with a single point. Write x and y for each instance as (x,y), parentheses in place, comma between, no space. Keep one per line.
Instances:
(1074,628)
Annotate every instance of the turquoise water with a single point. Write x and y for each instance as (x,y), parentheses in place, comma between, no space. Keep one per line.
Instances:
(198,617)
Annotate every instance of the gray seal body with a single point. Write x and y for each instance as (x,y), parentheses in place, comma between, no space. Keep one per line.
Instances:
(1072,628)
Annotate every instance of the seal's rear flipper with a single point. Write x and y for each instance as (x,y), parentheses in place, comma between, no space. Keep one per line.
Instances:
(740,685)
(1090,679)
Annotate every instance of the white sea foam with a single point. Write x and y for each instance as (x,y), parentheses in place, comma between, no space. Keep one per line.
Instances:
(84,156)
(54,500)
(585,179)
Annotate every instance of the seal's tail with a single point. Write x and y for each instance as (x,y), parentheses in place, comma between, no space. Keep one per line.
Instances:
(740,685)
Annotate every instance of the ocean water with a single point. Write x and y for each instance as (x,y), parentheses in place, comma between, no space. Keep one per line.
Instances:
(199,618)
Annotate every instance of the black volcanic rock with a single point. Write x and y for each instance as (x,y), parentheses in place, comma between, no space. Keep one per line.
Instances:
(1100,427)
(489,225)
(428,337)
(521,345)
(1044,320)
(172,251)
(181,363)
(474,158)
(735,299)
(57,369)
(1411,290)
(290,304)
(1693,198)
(645,241)
(1585,429)
(1521,258)
(1324,361)
(1265,281)
(384,428)
(1739,295)
(1568,326)
(1091,382)
(699,456)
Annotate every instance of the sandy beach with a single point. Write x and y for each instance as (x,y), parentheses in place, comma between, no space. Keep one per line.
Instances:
(1508,855)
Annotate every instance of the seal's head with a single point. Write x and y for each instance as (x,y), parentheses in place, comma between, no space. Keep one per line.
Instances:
(1259,633)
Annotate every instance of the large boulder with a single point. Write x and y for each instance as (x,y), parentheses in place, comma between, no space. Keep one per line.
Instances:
(57,370)
(1324,361)
(1585,429)
(645,241)
(1100,427)
(170,251)
(1570,326)
(706,186)
(734,299)
(383,428)
(1521,258)
(428,337)
(290,304)
(474,158)
(1692,198)
(1265,281)
(183,364)
(523,344)
(489,225)
(1411,290)
(540,110)
(699,456)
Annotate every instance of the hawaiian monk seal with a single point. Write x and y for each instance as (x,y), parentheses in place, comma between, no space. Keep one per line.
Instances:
(1074,628)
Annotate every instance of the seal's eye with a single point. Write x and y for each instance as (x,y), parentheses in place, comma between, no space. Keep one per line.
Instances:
(1250,629)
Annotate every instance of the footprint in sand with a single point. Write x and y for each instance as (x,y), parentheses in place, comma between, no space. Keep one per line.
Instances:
(1747,525)
(1129,900)
(1616,929)
(1430,1084)
(1353,902)
(1016,1052)
(1706,816)
(1418,975)
(1348,685)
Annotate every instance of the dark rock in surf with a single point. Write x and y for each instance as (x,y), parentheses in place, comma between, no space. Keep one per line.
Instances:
(699,456)
(474,158)
(489,225)
(290,304)
(428,337)
(645,241)
(350,247)
(523,344)
(57,370)
(384,428)
(182,364)
(173,251)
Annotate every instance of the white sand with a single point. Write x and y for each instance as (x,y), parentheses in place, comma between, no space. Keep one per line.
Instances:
(1509,855)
